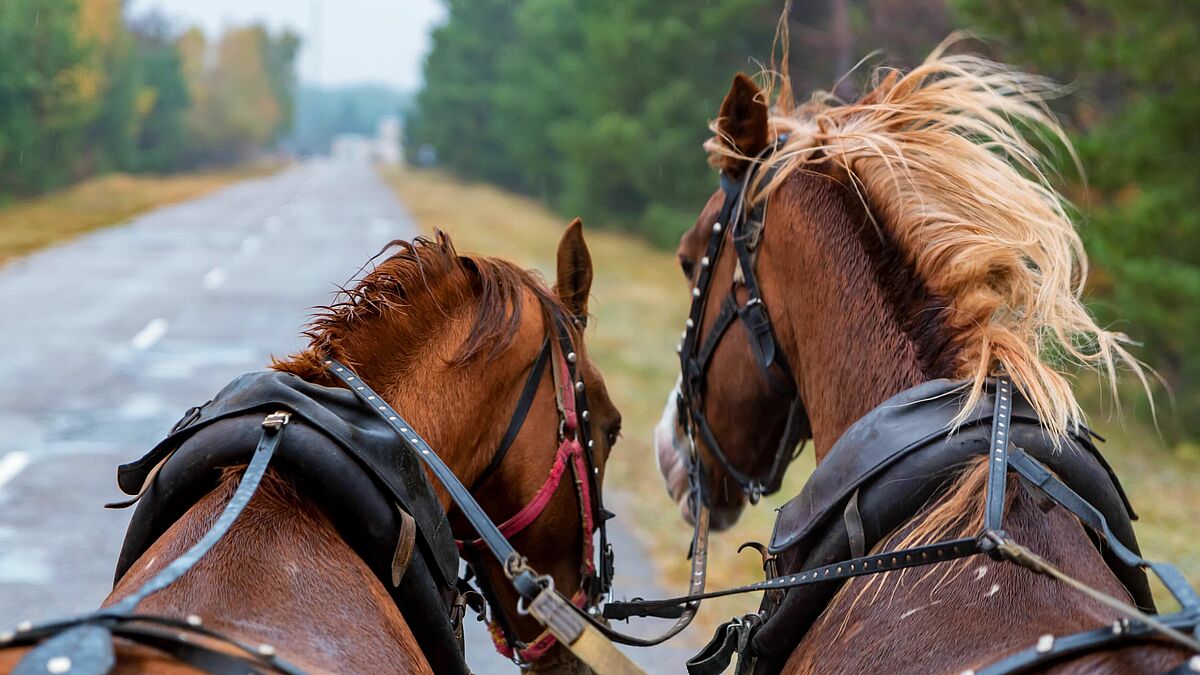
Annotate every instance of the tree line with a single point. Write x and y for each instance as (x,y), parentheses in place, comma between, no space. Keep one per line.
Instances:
(600,107)
(85,89)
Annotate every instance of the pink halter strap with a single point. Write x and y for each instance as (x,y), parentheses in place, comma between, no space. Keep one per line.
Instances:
(570,455)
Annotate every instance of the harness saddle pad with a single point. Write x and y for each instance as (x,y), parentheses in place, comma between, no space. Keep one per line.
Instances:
(892,462)
(342,455)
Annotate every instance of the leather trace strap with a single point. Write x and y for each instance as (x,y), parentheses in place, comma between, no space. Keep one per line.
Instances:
(84,645)
(992,541)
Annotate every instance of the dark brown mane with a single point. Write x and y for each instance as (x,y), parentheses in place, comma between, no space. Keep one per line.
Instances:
(423,284)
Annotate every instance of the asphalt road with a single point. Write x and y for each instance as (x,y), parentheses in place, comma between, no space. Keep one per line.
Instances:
(110,337)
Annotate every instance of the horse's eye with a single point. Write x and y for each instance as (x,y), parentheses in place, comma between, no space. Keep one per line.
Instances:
(613,435)
(688,266)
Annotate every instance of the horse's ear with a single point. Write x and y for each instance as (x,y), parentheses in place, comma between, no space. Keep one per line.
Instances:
(574,270)
(741,128)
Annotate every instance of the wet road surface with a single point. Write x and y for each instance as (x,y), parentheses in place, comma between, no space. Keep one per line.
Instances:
(111,336)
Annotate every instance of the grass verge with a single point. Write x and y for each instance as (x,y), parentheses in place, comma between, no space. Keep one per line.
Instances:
(52,218)
(639,302)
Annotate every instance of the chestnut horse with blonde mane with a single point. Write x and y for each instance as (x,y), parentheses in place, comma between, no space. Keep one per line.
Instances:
(908,236)
(448,340)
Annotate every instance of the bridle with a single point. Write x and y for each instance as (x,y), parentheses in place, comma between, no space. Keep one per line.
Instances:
(576,454)
(742,224)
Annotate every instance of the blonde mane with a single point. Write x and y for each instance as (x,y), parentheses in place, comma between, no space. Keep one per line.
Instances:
(948,157)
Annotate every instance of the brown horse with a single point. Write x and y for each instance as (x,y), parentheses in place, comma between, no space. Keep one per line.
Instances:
(447,340)
(908,236)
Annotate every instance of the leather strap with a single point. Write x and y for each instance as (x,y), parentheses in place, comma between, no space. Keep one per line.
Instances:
(87,641)
(998,458)
(404,546)
(272,434)
(520,412)
(854,527)
(526,584)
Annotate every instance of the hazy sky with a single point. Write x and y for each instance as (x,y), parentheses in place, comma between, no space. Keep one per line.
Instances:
(345,41)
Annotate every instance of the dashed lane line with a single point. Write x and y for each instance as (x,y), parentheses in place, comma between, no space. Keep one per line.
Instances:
(150,334)
(12,464)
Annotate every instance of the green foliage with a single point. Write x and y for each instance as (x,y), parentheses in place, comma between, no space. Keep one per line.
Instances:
(1136,76)
(44,104)
(85,90)
(600,107)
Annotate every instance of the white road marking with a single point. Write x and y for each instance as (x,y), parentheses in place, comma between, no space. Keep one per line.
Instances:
(12,464)
(153,332)
(250,245)
(215,277)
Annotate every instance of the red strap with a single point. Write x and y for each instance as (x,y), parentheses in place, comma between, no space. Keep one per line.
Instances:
(570,453)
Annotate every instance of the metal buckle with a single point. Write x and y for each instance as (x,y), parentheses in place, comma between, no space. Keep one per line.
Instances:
(993,543)
(277,419)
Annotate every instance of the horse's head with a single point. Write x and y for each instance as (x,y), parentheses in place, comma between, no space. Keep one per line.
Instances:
(857,249)
(489,365)
(737,397)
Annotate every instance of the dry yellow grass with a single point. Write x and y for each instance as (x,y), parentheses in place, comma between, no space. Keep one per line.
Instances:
(639,303)
(106,200)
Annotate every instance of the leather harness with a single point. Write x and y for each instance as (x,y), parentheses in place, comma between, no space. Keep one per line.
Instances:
(342,448)
(879,474)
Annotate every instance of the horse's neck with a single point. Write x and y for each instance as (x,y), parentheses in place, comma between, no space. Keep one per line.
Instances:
(861,325)
(283,576)
(968,614)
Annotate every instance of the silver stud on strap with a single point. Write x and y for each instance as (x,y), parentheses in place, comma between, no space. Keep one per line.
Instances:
(691,324)
(1194,663)
(58,664)
(591,444)
(193,620)
(24,626)
(579,386)
(585,415)
(704,261)
(1045,644)
(571,357)
(716,227)
(695,292)
(266,649)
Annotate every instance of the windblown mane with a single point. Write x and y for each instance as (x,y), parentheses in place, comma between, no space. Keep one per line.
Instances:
(415,290)
(948,158)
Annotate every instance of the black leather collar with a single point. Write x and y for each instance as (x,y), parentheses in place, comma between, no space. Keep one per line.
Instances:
(906,423)
(890,463)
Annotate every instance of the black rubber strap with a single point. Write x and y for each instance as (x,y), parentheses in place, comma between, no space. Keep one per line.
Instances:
(520,412)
